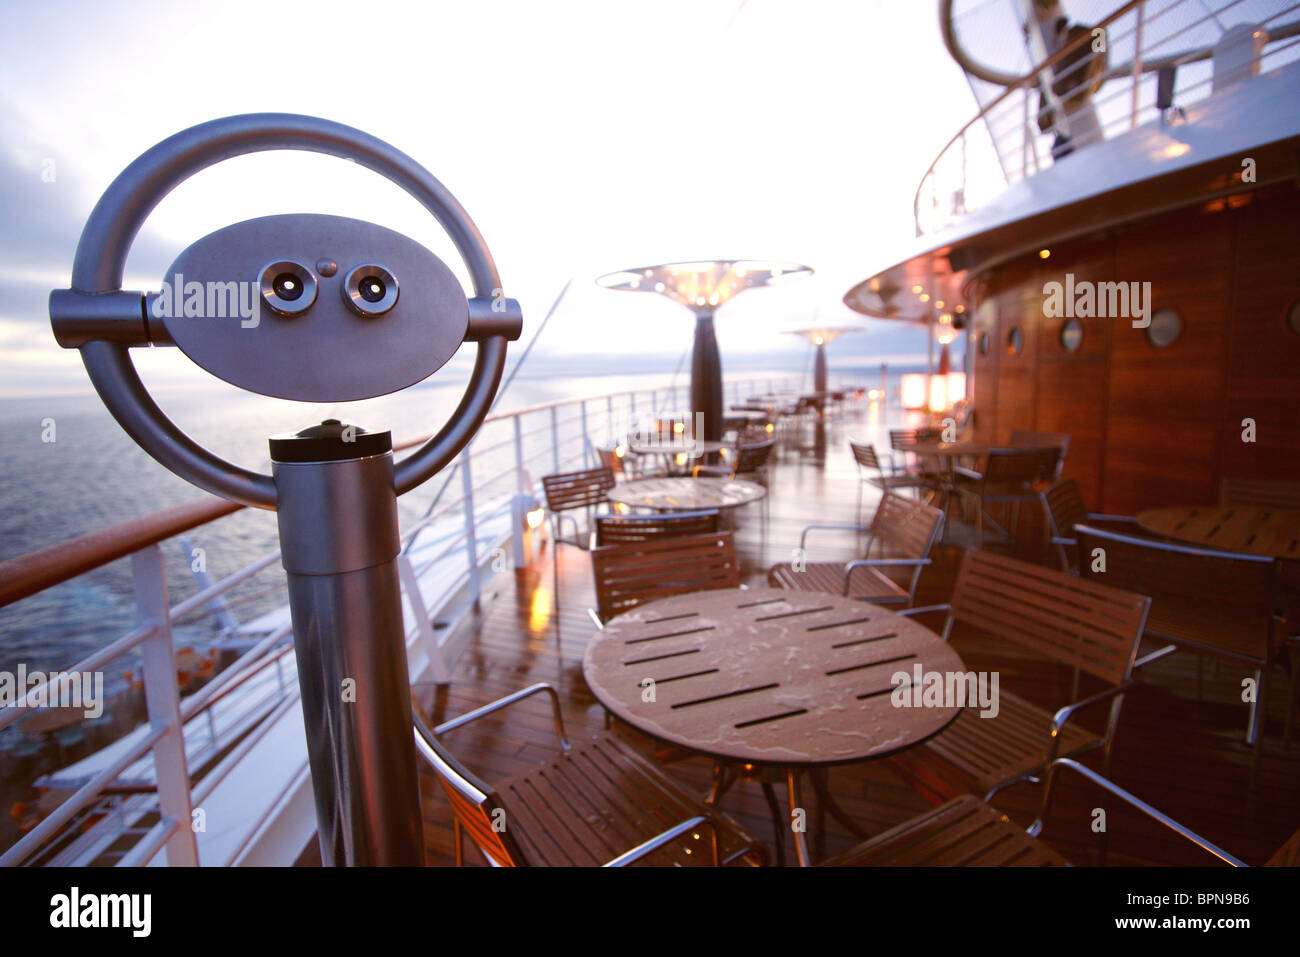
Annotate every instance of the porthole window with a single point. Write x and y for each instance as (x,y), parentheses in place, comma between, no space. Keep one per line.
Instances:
(1166,325)
(984,343)
(1293,317)
(1071,335)
(1015,341)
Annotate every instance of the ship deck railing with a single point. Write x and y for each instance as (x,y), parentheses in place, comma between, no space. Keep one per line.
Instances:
(201,779)
(1003,144)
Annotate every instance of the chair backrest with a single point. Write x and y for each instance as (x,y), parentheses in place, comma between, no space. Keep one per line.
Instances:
(609,459)
(905,527)
(902,440)
(1259,493)
(568,490)
(630,529)
(1217,600)
(1015,467)
(633,574)
(752,435)
(1026,439)
(475,805)
(751,458)
(865,455)
(1084,624)
(1065,508)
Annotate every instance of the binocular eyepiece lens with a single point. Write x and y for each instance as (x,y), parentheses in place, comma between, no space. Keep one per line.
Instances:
(370,290)
(288,287)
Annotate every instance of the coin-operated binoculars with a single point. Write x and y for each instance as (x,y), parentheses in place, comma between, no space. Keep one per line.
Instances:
(319,309)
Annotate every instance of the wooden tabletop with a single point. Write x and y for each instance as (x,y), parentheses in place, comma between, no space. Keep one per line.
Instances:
(686,494)
(768,676)
(693,448)
(1271,532)
(949,448)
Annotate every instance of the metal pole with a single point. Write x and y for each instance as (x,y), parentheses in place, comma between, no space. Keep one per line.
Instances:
(339,544)
(706,377)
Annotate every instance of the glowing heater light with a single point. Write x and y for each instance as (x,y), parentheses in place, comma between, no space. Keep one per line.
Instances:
(536,517)
(912,388)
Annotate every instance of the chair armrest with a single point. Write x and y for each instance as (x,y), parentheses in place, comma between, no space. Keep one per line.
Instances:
(803,538)
(907,612)
(1154,656)
(853,566)
(1036,828)
(1064,714)
(1125,519)
(595,618)
(656,842)
(539,688)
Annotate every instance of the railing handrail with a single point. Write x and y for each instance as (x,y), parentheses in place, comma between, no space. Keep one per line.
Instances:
(33,572)
(26,575)
(1139,65)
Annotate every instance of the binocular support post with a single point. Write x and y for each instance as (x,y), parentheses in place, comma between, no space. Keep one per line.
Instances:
(339,544)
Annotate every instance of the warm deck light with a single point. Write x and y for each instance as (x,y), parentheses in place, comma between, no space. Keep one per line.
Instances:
(916,289)
(925,297)
(912,390)
(959,308)
(536,517)
(938,304)
(1044,253)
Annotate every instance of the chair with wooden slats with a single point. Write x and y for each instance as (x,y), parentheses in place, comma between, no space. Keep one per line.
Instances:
(632,574)
(966,832)
(1217,603)
(902,533)
(633,529)
(569,492)
(904,441)
(745,461)
(1065,509)
(1007,477)
(1081,624)
(881,473)
(1027,439)
(1259,493)
(593,804)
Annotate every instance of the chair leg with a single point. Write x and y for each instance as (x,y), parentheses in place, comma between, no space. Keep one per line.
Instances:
(1258,718)
(1289,726)
(457,834)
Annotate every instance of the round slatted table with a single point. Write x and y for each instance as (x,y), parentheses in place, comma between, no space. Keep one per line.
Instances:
(686,494)
(766,677)
(1271,532)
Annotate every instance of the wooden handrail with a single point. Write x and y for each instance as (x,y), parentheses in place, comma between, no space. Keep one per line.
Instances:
(25,575)
(38,570)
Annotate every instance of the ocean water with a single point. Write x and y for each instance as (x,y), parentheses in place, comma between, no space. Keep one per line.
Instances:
(92,476)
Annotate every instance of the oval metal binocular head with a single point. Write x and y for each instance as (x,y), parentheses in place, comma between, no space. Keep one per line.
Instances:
(307,307)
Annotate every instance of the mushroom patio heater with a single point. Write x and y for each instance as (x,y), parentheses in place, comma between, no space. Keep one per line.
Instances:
(821,337)
(340,310)
(702,287)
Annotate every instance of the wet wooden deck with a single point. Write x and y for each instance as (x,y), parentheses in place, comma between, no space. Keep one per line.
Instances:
(1184,755)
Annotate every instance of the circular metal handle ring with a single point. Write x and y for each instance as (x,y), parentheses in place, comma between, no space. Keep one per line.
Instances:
(117,217)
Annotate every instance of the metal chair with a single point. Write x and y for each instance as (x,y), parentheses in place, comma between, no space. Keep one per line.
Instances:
(904,441)
(1026,439)
(1082,624)
(966,832)
(902,529)
(887,476)
(1258,493)
(633,529)
(570,491)
(745,460)
(594,804)
(1218,603)
(632,574)
(1065,509)
(1008,477)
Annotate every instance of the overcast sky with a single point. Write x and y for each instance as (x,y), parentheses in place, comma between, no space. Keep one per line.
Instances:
(581,137)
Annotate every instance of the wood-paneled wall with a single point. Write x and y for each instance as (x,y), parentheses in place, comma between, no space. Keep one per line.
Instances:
(1156,426)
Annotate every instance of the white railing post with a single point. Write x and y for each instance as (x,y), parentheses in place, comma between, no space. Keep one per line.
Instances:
(586,437)
(162,702)
(427,637)
(519,456)
(1137,64)
(555,437)
(471,540)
